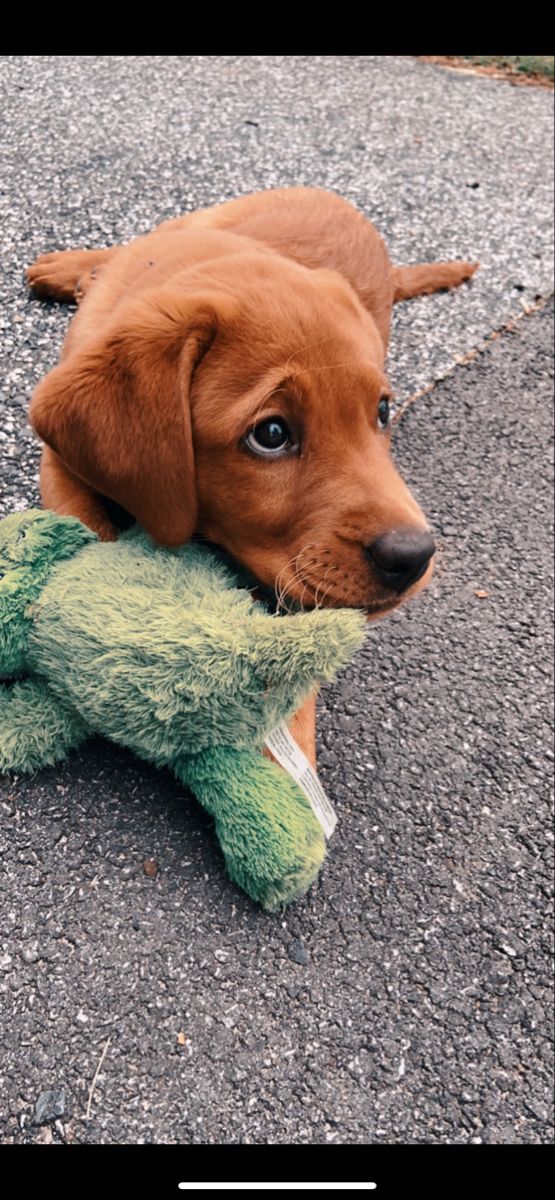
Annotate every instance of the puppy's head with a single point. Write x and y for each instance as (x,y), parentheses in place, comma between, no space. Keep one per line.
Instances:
(248,403)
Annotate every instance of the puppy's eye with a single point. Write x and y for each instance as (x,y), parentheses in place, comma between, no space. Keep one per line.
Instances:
(271,436)
(383,413)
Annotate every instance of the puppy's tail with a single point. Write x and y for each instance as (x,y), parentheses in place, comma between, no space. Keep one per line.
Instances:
(425,278)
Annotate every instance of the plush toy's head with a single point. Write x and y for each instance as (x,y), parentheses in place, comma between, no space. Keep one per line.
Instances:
(161,651)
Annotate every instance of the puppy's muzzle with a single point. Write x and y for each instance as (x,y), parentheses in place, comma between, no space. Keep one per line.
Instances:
(400,558)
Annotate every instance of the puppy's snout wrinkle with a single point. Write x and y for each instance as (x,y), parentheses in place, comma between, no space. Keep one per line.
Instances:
(400,557)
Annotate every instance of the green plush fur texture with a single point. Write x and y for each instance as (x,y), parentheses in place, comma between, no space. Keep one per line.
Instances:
(160,651)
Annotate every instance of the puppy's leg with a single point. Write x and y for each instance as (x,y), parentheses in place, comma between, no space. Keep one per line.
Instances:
(66,275)
(425,278)
(68,495)
(302,726)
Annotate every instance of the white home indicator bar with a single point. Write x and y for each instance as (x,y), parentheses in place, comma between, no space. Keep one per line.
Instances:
(276,1187)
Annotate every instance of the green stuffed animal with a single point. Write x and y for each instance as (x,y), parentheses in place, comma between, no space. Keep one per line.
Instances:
(160,651)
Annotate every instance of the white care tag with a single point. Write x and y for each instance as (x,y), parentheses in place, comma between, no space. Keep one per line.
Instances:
(290,756)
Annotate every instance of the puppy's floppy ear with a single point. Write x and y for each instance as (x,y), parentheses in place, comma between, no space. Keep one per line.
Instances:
(117,411)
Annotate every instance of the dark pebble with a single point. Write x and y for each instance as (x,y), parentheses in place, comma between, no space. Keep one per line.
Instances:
(297,952)
(49,1106)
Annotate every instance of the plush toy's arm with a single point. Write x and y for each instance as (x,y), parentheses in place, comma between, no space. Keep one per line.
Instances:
(32,543)
(36,730)
(272,843)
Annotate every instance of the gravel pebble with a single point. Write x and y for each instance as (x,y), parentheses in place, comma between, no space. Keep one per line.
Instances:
(50,1105)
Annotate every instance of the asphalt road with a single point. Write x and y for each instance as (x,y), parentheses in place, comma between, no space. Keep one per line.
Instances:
(408,997)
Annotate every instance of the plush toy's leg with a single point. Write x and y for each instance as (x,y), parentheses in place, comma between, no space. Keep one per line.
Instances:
(272,843)
(35,729)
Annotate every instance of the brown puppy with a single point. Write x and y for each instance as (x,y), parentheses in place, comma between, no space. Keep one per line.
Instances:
(225,376)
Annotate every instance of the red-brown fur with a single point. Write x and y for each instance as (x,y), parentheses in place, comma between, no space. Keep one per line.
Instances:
(275,304)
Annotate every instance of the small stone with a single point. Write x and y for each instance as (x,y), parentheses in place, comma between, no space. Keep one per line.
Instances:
(297,952)
(536,1109)
(49,1106)
(30,954)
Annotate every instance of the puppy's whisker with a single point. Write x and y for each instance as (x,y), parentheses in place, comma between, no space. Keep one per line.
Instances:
(280,587)
(280,594)
(283,586)
(327,593)
(304,550)
(305,585)
(331,367)
(281,573)
(295,579)
(309,346)
(321,584)
(263,404)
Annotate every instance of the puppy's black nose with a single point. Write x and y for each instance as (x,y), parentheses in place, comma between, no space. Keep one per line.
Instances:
(400,557)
